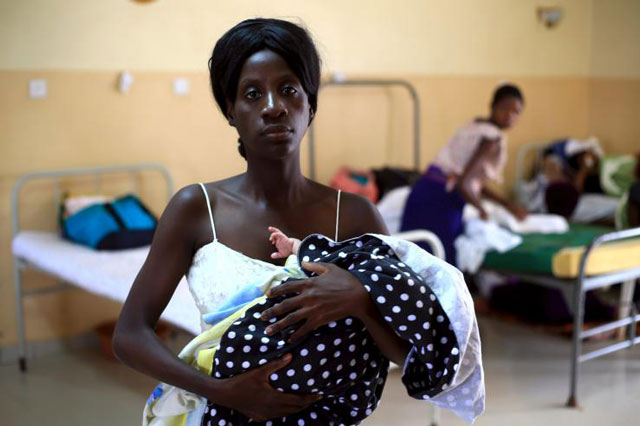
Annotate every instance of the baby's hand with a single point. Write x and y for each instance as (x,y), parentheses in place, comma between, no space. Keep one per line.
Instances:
(283,244)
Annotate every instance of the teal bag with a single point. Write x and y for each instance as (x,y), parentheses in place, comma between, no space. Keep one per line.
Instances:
(121,224)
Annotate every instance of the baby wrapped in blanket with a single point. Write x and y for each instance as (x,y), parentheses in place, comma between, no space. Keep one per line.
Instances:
(423,299)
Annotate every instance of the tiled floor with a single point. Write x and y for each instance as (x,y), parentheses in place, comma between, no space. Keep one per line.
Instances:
(526,379)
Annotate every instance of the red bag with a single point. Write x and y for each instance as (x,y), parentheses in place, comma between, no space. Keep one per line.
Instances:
(357,182)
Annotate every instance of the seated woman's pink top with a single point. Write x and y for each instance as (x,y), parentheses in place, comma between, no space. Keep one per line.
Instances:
(454,157)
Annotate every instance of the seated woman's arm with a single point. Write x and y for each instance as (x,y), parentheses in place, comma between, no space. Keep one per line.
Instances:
(136,344)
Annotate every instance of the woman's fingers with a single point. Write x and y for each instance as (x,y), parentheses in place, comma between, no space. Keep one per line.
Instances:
(317,267)
(288,321)
(306,328)
(280,309)
(274,365)
(291,287)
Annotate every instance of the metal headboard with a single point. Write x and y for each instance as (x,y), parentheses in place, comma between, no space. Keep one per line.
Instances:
(374,83)
(97,172)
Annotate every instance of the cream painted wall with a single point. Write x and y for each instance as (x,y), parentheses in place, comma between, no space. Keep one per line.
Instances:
(613,113)
(614,89)
(467,37)
(615,39)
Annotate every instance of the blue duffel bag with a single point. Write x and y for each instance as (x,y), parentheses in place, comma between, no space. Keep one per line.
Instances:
(116,225)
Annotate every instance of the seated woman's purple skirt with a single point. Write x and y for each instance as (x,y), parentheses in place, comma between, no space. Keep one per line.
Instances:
(432,207)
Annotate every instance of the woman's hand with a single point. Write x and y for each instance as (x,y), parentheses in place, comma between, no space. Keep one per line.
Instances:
(588,162)
(332,295)
(518,211)
(264,402)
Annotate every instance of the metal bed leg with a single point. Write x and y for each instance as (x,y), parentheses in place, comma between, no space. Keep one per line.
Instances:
(626,300)
(576,349)
(22,358)
(434,416)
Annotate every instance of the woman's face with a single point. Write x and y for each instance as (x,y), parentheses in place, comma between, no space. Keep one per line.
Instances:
(506,112)
(271,111)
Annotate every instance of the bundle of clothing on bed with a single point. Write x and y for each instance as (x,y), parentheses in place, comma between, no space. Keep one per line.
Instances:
(479,237)
(422,298)
(574,178)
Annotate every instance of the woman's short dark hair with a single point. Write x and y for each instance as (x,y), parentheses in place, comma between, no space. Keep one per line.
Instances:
(506,91)
(292,42)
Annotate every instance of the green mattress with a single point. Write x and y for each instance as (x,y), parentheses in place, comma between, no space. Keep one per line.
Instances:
(539,252)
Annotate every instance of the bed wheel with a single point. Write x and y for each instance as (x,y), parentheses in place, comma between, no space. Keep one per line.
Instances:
(572,402)
(23,364)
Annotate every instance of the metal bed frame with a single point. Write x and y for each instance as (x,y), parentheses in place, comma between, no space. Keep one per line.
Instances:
(521,159)
(574,289)
(57,176)
(373,83)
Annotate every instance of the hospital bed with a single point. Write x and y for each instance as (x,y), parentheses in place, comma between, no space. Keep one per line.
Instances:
(105,273)
(575,267)
(584,259)
(604,259)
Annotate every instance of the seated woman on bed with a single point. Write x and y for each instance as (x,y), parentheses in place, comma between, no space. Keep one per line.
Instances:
(461,172)
(571,168)
(265,76)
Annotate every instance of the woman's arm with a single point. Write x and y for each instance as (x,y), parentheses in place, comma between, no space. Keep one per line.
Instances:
(518,211)
(335,293)
(134,341)
(486,149)
(136,344)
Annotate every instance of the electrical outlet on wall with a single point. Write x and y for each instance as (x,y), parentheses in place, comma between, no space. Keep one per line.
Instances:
(181,86)
(37,88)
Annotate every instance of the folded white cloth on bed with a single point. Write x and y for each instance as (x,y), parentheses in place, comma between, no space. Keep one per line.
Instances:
(593,207)
(534,223)
(106,273)
(479,238)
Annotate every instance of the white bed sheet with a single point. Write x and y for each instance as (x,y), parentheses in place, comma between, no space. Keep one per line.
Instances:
(106,273)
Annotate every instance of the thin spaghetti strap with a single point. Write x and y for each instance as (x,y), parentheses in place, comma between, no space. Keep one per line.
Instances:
(206,196)
(338,215)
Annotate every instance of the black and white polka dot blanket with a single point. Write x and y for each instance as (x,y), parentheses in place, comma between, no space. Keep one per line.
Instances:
(415,294)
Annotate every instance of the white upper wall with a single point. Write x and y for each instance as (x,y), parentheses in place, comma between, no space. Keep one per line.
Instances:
(463,37)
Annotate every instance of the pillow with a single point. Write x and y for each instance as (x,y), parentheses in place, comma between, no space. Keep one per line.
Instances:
(73,204)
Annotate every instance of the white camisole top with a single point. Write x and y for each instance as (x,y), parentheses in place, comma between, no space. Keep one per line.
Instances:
(217,271)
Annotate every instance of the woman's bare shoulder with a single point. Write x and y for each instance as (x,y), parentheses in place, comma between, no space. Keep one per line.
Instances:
(190,201)
(192,196)
(187,200)
(359,215)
